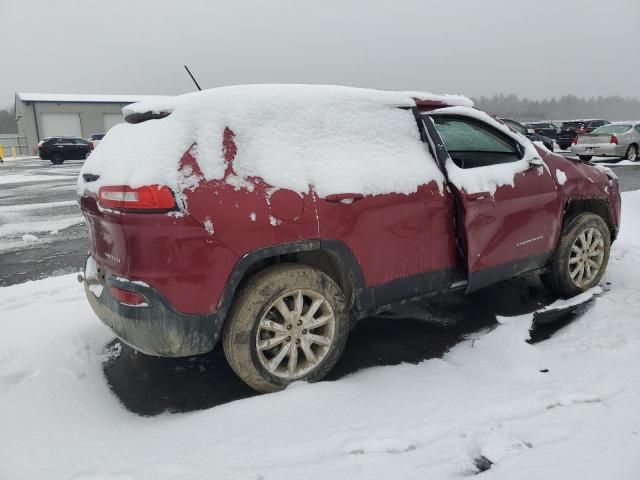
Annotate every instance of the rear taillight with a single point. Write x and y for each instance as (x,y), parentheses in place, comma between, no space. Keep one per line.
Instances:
(148,198)
(91,147)
(129,298)
(613,140)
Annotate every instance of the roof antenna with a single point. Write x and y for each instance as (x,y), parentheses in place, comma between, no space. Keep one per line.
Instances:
(194,80)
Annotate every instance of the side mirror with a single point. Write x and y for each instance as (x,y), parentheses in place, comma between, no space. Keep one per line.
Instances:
(536,162)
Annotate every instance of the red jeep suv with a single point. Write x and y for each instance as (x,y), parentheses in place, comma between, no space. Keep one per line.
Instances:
(274,217)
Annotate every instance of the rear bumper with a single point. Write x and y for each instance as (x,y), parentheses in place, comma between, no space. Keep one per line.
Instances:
(155,329)
(599,149)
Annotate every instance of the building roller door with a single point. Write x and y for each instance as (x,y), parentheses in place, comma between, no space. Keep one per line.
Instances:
(60,124)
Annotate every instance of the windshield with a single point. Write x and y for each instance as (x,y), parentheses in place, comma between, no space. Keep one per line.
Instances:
(610,129)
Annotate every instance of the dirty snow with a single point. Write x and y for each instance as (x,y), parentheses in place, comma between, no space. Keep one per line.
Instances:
(488,178)
(338,139)
(565,408)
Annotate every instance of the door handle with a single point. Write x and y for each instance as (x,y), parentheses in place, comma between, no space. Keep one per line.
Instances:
(478,195)
(344,197)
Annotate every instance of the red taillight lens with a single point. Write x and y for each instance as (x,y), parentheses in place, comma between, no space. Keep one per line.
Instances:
(127,297)
(613,140)
(123,197)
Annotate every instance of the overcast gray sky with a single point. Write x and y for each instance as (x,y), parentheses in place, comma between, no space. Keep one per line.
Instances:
(537,48)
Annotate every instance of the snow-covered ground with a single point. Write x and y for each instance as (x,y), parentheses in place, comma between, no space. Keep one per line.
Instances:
(565,408)
(37,202)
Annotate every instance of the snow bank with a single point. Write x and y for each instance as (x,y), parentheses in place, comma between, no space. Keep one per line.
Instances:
(338,139)
(489,178)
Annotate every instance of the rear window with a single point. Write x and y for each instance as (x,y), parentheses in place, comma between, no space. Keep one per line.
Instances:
(611,129)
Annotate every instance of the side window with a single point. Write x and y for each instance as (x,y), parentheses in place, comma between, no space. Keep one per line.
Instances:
(471,144)
(638,129)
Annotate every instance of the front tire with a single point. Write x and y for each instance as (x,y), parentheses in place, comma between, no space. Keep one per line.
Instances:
(632,153)
(581,256)
(586,158)
(290,322)
(57,158)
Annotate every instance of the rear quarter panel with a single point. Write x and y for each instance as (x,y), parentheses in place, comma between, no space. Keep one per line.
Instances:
(173,254)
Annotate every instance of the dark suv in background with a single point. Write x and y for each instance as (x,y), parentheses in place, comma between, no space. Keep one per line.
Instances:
(569,130)
(529,133)
(59,149)
(546,129)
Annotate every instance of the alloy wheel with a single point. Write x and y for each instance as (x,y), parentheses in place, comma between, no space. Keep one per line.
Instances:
(586,257)
(298,326)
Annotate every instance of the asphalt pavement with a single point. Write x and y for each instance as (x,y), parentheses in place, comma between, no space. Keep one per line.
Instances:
(42,234)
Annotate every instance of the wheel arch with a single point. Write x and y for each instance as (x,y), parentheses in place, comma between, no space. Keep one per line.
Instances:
(332,257)
(597,206)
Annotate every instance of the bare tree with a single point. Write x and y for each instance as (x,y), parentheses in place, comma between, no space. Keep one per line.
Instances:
(8,122)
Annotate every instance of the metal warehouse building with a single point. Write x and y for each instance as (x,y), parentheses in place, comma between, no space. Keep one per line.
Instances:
(42,115)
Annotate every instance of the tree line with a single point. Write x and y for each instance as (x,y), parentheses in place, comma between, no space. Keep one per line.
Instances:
(8,122)
(566,107)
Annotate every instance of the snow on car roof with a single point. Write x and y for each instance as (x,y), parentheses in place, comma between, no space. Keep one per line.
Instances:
(337,139)
(311,93)
(86,98)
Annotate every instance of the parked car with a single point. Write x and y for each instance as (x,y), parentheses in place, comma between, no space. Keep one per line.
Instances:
(94,140)
(529,133)
(546,129)
(619,139)
(277,243)
(568,130)
(59,149)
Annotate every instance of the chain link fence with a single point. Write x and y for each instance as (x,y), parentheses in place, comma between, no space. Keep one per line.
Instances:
(14,144)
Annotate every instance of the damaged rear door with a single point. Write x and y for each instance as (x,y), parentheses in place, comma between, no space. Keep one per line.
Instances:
(507,229)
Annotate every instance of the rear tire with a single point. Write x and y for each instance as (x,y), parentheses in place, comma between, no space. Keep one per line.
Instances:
(632,153)
(57,158)
(271,320)
(586,158)
(581,256)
